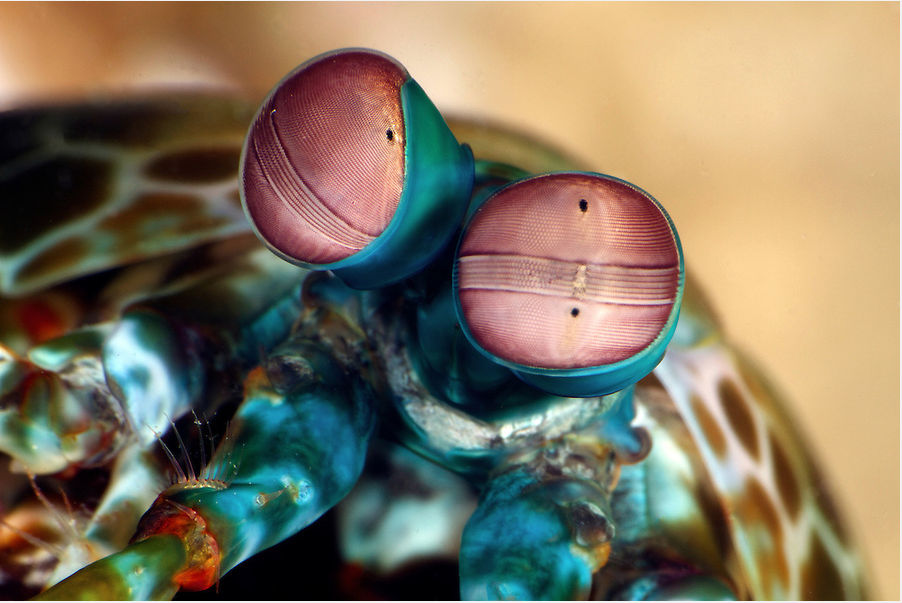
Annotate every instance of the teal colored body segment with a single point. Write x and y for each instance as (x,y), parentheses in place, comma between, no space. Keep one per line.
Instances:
(509,382)
(164,354)
(544,458)
(290,466)
(438,178)
(519,543)
(143,571)
(453,368)
(156,368)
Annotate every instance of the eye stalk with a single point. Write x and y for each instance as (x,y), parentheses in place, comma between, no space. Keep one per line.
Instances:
(572,280)
(348,166)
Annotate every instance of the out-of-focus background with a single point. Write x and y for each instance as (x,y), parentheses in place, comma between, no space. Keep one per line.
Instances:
(769,131)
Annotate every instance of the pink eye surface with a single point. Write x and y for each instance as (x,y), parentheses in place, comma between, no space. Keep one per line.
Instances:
(324,160)
(568,271)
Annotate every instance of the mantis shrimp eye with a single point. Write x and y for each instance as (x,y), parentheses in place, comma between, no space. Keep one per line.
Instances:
(349,167)
(572,280)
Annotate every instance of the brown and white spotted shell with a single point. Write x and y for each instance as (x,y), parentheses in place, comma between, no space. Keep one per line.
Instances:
(104,185)
(773,504)
(166,183)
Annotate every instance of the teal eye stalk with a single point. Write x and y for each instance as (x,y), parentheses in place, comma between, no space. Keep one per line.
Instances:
(349,167)
(573,280)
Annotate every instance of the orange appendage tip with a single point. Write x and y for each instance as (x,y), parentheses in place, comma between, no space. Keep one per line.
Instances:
(201,570)
(256,379)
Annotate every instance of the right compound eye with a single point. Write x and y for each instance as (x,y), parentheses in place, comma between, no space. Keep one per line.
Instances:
(572,280)
(345,161)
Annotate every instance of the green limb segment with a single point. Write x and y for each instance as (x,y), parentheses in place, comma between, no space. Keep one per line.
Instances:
(143,571)
(134,484)
(173,353)
(297,447)
(73,401)
(300,447)
(661,587)
(541,529)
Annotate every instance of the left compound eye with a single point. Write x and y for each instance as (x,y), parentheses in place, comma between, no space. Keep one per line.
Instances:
(349,167)
(572,280)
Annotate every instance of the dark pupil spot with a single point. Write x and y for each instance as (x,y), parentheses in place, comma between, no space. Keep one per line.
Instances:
(574,312)
(389,135)
(583,205)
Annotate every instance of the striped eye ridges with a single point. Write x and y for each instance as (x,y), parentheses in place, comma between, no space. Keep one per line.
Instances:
(478,364)
(571,272)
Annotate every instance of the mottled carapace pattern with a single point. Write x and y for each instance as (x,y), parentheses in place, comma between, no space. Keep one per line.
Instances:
(147,179)
(786,532)
(91,187)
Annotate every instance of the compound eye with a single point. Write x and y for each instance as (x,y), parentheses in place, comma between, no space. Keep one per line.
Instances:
(573,280)
(325,160)
(326,163)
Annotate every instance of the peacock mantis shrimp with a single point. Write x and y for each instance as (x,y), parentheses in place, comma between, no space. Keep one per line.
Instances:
(524,326)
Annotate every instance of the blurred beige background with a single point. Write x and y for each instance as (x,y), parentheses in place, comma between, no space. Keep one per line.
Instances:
(769,131)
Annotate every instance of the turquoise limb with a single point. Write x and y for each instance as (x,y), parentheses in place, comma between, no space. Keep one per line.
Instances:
(658,587)
(535,538)
(70,401)
(296,448)
(299,446)
(545,525)
(155,368)
(168,355)
(142,571)
(134,483)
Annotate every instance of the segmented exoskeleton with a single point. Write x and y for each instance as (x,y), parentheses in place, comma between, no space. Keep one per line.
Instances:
(514,321)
